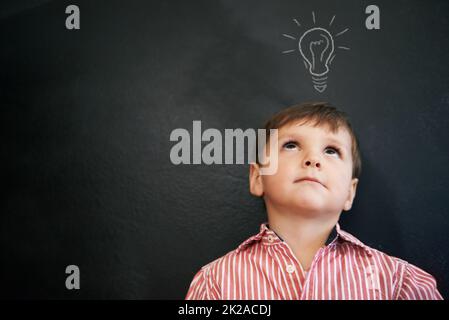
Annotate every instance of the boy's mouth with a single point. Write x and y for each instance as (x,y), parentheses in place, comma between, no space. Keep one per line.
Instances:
(310,179)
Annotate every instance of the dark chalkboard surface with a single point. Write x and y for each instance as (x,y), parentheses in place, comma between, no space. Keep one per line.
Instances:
(87,116)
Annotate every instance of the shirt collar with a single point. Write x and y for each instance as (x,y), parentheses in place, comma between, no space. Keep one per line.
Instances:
(268,237)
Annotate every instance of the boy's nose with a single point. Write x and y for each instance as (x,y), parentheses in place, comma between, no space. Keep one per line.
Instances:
(313,163)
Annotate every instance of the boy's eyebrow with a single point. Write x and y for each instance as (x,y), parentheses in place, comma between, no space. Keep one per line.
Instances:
(336,141)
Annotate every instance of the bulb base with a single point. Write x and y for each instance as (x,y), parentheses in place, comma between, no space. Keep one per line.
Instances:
(319,83)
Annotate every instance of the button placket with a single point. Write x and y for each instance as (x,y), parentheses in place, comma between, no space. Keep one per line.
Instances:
(307,294)
(290,267)
(287,264)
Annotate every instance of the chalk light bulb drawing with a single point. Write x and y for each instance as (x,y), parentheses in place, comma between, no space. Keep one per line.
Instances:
(317,50)
(316,47)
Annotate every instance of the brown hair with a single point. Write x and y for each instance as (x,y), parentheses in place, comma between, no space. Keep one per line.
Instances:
(320,113)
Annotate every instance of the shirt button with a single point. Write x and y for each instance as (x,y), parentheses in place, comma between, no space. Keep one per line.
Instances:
(290,268)
(270,238)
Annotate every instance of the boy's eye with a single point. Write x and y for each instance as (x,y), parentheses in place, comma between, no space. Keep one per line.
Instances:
(333,150)
(290,145)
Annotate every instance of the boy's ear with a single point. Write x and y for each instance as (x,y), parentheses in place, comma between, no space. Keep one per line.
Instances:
(255,180)
(351,195)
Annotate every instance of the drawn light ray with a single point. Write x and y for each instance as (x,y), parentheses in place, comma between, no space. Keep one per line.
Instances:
(289,36)
(340,33)
(289,51)
(332,20)
(297,23)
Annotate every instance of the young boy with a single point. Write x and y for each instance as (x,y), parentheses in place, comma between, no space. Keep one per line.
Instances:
(301,253)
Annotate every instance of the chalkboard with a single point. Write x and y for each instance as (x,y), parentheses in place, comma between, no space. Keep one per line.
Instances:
(88,110)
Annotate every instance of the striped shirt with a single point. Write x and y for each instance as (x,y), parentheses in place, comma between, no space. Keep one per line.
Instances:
(264,268)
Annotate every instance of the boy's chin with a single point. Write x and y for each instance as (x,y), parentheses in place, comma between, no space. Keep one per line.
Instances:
(310,208)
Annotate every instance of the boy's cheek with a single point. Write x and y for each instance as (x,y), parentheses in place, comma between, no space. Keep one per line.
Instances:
(274,183)
(344,175)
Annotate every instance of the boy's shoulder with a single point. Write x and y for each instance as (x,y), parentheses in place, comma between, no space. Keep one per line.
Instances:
(264,235)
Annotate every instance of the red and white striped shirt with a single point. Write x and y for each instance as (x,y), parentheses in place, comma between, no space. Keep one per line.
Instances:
(265,268)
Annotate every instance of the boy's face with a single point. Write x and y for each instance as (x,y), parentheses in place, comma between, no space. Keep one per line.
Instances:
(306,152)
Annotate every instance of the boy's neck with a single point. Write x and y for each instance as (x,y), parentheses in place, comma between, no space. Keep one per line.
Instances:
(302,231)
(302,234)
